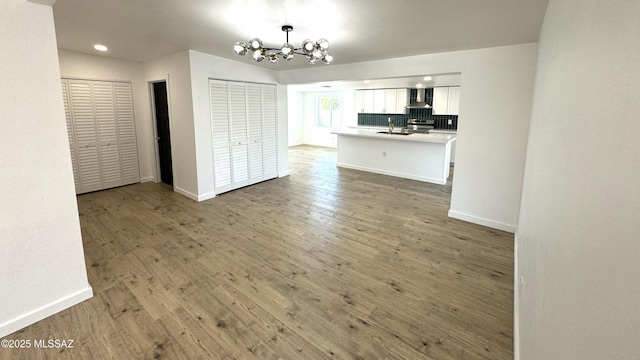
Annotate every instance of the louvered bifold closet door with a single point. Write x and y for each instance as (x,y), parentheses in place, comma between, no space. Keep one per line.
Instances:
(243,133)
(220,136)
(254,147)
(70,134)
(89,170)
(238,113)
(128,149)
(105,111)
(269,132)
(101,130)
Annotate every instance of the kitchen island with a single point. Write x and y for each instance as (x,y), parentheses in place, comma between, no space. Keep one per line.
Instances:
(423,157)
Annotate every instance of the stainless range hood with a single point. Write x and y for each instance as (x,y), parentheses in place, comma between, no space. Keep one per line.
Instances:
(420,101)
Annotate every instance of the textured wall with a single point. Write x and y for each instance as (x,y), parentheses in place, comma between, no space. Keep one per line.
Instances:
(577,240)
(42,269)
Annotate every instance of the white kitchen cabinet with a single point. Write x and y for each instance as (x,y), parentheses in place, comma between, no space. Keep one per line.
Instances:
(359,101)
(395,101)
(402,99)
(101,132)
(378,101)
(440,100)
(243,130)
(364,101)
(381,101)
(367,101)
(454,100)
(446,100)
(389,101)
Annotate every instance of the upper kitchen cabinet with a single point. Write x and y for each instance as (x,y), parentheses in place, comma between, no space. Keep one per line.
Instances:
(379,104)
(381,101)
(446,100)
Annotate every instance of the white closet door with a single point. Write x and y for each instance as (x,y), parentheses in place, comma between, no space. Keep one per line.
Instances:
(269,132)
(128,149)
(105,112)
(254,113)
(243,133)
(90,173)
(240,168)
(220,136)
(70,134)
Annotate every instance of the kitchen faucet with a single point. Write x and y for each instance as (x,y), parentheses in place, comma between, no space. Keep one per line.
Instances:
(390,120)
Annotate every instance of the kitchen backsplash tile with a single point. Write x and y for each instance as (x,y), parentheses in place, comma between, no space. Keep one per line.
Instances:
(400,120)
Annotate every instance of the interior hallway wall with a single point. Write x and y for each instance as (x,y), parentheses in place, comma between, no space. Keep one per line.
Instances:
(578,249)
(174,69)
(94,67)
(42,268)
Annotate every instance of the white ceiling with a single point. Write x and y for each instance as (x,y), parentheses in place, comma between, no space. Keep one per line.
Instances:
(357,30)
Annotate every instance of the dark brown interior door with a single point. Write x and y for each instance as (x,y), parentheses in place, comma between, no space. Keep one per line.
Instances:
(162,125)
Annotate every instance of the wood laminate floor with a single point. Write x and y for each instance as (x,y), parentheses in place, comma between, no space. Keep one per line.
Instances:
(325,263)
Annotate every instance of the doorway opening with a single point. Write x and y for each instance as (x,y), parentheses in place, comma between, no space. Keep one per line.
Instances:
(163,136)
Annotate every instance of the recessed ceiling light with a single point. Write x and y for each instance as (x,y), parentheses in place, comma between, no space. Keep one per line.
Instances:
(100,47)
(428,78)
(367,81)
(418,85)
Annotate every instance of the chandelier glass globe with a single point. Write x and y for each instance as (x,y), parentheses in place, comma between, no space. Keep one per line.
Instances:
(313,51)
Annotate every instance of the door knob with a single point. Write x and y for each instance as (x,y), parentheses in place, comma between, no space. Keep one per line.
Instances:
(157,138)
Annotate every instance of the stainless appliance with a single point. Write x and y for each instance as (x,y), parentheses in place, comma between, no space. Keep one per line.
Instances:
(421,102)
(420,125)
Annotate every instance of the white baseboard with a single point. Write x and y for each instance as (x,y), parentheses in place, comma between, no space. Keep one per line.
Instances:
(186,193)
(393,173)
(207,196)
(36,315)
(482,221)
(147,179)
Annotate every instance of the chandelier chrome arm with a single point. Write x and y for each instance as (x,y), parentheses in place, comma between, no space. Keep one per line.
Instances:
(314,51)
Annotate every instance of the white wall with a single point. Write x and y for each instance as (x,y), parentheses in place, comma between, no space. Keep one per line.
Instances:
(495,108)
(77,65)
(204,66)
(578,232)
(174,69)
(295,101)
(42,269)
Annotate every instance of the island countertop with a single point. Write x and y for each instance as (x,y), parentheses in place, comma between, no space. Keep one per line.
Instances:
(383,153)
(430,138)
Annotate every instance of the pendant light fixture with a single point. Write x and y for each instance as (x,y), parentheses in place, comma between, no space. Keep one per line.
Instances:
(313,51)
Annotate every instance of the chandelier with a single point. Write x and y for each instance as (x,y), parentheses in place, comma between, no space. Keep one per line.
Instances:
(314,51)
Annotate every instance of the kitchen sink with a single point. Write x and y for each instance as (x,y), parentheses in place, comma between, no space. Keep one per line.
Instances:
(393,133)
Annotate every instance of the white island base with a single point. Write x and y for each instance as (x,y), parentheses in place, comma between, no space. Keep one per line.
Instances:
(422,157)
